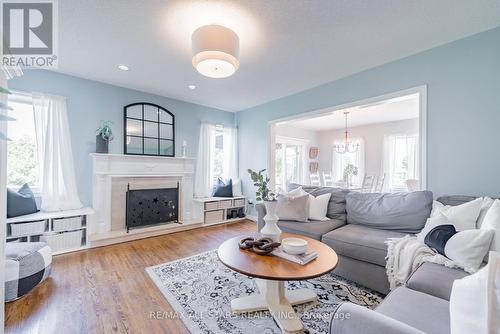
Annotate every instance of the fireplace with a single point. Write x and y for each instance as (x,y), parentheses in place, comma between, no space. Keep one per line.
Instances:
(147,207)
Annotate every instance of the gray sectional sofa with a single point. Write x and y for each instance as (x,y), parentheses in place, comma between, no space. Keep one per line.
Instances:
(422,305)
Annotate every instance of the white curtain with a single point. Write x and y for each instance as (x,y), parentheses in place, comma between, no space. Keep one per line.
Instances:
(340,161)
(399,148)
(204,172)
(230,139)
(57,173)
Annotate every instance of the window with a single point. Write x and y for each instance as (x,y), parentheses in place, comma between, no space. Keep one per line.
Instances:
(218,165)
(341,161)
(22,161)
(289,162)
(223,164)
(401,160)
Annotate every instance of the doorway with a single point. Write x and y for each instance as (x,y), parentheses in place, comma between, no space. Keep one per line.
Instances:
(385,137)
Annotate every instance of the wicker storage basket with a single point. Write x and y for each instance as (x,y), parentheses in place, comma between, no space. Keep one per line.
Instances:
(63,241)
(67,224)
(37,227)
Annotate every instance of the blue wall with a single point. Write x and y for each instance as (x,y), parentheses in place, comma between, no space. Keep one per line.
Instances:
(89,102)
(463,122)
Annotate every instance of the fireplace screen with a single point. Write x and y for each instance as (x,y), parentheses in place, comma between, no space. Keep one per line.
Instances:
(146,207)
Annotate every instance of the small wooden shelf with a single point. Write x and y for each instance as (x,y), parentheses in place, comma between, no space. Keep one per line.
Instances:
(213,205)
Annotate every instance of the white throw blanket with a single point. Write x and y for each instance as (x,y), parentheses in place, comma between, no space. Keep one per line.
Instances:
(405,254)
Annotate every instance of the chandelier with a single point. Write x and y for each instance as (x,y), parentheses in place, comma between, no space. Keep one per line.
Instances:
(347,146)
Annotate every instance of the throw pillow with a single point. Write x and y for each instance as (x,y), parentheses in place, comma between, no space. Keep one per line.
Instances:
(485,207)
(222,189)
(475,300)
(318,207)
(293,208)
(492,222)
(294,192)
(402,212)
(466,248)
(237,187)
(463,216)
(21,202)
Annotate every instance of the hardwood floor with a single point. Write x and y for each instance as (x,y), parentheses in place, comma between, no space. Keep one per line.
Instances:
(106,290)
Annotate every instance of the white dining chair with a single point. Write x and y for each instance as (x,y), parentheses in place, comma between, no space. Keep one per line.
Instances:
(379,185)
(314,179)
(328,180)
(412,185)
(367,184)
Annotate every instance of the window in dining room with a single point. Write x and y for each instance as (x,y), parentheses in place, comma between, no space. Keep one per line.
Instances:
(401,160)
(289,162)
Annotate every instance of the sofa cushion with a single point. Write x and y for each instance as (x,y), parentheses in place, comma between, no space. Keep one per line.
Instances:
(424,312)
(311,229)
(360,242)
(402,212)
(337,202)
(434,279)
(21,202)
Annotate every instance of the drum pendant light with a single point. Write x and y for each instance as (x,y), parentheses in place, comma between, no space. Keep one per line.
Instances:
(215,51)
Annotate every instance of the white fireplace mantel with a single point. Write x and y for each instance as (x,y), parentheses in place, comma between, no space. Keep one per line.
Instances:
(107,168)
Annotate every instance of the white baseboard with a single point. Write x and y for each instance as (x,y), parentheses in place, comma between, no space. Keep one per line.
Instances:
(252,218)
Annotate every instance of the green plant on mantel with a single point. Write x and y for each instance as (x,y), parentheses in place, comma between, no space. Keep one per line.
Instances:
(260,181)
(105,131)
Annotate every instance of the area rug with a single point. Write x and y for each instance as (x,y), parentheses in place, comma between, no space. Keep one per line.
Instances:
(200,289)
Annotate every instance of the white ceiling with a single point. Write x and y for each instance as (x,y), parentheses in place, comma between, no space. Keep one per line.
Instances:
(397,109)
(286,45)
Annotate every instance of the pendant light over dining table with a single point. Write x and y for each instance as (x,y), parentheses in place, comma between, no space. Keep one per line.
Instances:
(215,51)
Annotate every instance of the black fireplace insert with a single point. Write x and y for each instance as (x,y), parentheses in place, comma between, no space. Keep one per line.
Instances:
(146,207)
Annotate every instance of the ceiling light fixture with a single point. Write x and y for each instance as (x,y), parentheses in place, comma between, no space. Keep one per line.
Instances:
(215,51)
(191,87)
(347,146)
(123,67)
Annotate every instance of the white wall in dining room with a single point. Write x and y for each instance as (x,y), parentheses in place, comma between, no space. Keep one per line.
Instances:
(310,137)
(373,135)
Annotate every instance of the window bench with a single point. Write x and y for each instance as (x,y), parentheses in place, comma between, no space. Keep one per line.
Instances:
(63,231)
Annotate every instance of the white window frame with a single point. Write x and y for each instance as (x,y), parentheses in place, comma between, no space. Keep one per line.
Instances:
(23,97)
(303,143)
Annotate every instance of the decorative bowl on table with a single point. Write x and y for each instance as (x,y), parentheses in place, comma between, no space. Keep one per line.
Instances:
(294,246)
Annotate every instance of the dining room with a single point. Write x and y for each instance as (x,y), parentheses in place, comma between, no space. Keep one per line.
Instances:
(375,145)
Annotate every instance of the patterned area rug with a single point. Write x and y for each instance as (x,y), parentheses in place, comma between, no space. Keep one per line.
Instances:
(200,289)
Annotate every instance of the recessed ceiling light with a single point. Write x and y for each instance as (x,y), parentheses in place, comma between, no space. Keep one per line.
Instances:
(191,87)
(123,67)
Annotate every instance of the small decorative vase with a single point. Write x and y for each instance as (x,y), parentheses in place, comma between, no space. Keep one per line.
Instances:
(271,229)
(101,144)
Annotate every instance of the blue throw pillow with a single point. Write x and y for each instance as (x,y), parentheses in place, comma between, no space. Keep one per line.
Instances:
(222,189)
(20,203)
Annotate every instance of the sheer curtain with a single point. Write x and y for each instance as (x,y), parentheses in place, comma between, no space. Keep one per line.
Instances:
(57,172)
(230,152)
(400,161)
(340,161)
(204,172)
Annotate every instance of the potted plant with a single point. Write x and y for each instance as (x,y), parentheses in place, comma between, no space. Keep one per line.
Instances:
(349,171)
(104,135)
(263,193)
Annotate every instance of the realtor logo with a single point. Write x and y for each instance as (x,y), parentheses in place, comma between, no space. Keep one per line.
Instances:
(29,33)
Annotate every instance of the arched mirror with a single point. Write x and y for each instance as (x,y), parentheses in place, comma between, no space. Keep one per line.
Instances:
(149,130)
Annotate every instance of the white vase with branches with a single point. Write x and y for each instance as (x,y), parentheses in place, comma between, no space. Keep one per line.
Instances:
(263,193)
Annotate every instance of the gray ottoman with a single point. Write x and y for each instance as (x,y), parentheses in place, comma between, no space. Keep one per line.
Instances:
(27,265)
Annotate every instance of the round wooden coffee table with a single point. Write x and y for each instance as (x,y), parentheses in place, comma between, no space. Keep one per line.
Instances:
(270,273)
